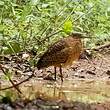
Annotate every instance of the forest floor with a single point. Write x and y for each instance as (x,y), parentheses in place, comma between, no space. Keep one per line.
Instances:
(86,85)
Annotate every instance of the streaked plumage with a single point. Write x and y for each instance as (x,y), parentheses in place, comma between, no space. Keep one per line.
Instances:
(62,53)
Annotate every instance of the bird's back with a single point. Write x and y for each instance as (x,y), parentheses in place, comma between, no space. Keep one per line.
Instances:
(64,52)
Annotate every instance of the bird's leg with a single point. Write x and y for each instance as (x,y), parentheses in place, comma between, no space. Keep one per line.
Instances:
(55,72)
(61,73)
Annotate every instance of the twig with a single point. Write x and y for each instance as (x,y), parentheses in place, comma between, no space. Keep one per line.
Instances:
(10,79)
(64,7)
(18,83)
(51,35)
(64,22)
(58,14)
(101,47)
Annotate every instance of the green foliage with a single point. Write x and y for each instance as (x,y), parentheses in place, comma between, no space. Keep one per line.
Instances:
(8,75)
(68,26)
(11,47)
(27,24)
(7,98)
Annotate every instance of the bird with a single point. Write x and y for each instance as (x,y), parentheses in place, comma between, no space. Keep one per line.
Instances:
(62,53)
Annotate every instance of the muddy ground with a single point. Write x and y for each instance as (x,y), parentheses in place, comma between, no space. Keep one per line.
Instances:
(86,85)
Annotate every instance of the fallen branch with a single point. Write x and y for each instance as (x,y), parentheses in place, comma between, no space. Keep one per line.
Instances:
(10,79)
(101,46)
(15,85)
(47,37)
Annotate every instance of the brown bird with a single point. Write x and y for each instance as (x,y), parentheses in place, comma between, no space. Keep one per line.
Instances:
(62,53)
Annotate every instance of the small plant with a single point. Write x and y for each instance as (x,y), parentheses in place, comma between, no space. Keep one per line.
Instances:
(25,24)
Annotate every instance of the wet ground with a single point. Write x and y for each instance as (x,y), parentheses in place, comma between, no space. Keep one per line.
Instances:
(86,86)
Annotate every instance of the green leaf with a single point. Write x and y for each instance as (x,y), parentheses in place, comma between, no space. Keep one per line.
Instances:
(11,47)
(27,10)
(2,27)
(8,75)
(1,3)
(68,26)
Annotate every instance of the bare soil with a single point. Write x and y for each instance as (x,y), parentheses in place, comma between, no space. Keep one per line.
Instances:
(91,75)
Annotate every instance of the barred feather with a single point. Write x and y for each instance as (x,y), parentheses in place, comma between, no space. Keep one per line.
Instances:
(63,52)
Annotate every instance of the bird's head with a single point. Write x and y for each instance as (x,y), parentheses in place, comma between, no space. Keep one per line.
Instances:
(79,35)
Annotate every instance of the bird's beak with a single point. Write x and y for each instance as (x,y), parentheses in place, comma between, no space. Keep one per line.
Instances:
(81,35)
(84,35)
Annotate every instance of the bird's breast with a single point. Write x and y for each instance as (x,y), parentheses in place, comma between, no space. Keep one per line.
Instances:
(73,55)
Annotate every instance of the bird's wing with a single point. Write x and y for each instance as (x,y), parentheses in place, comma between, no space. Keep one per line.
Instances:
(57,58)
(56,47)
(54,54)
